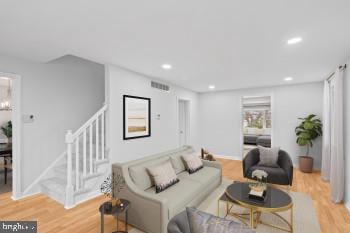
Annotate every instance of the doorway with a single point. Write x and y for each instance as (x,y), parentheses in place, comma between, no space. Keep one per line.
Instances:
(5,134)
(183,111)
(10,131)
(256,122)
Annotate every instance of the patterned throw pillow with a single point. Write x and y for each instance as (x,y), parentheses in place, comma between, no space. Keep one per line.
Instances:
(201,222)
(163,176)
(268,156)
(193,162)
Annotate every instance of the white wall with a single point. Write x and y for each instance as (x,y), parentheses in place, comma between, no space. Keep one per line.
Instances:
(347,134)
(164,136)
(220,119)
(61,95)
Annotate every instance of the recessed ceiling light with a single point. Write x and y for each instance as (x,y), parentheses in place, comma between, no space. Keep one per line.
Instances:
(287,79)
(294,40)
(211,87)
(166,66)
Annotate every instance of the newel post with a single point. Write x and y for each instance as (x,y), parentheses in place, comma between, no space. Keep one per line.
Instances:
(69,203)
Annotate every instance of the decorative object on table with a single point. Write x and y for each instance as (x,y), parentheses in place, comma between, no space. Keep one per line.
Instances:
(206,156)
(258,189)
(112,186)
(136,117)
(7,130)
(107,208)
(308,130)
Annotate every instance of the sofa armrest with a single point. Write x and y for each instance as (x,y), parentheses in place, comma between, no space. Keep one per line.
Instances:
(285,162)
(214,164)
(149,212)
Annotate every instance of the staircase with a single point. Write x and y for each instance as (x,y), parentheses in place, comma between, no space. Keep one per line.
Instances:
(77,174)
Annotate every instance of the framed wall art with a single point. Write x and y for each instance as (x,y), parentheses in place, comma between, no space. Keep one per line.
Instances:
(137,117)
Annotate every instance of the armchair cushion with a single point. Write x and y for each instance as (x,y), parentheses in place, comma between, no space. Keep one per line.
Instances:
(268,156)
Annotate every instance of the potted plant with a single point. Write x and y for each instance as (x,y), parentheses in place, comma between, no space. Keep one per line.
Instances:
(112,187)
(7,129)
(309,129)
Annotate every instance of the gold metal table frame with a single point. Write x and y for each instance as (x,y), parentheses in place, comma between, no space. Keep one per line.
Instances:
(252,218)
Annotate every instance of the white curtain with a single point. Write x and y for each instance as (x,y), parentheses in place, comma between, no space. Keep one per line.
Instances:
(326,139)
(333,142)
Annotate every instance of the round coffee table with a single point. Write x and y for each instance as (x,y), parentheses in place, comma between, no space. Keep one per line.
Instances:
(276,201)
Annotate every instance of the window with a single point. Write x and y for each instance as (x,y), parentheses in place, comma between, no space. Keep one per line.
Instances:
(257,119)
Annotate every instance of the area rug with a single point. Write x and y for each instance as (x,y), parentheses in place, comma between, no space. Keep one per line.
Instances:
(305,219)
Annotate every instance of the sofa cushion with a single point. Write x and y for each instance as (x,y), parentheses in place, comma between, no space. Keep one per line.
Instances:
(179,195)
(140,175)
(178,163)
(203,176)
(193,162)
(177,160)
(163,176)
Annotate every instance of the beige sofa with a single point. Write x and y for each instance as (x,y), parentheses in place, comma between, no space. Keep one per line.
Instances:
(151,212)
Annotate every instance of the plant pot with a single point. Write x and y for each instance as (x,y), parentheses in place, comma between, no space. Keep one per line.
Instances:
(306,164)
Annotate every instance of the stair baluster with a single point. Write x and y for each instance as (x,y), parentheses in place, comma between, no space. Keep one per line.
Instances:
(77,163)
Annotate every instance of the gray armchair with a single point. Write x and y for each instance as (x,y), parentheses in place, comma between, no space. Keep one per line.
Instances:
(180,224)
(281,174)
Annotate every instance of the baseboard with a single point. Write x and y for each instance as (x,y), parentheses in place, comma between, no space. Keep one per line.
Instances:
(237,158)
(93,195)
(22,196)
(347,205)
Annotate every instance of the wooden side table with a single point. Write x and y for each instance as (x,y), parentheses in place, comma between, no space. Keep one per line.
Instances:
(122,207)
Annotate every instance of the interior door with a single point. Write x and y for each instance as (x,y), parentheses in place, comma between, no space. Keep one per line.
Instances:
(182,123)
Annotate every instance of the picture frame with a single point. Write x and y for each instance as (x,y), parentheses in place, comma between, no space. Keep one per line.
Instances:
(136,117)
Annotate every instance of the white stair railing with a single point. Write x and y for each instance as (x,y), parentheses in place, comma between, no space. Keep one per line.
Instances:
(86,134)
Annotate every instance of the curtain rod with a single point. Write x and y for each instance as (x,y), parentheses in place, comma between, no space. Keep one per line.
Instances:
(330,77)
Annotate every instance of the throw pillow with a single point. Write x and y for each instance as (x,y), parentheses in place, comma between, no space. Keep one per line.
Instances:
(201,222)
(163,176)
(268,156)
(193,162)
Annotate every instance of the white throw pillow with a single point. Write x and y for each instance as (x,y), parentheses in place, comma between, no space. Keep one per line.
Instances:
(268,156)
(163,176)
(193,163)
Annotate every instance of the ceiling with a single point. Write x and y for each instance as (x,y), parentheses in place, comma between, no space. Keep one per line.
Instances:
(229,44)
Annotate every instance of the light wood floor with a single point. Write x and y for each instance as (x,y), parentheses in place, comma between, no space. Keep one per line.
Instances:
(52,217)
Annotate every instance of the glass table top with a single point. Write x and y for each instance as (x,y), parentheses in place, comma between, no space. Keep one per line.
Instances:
(275,198)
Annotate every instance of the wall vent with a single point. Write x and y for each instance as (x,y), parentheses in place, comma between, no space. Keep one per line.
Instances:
(160,86)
